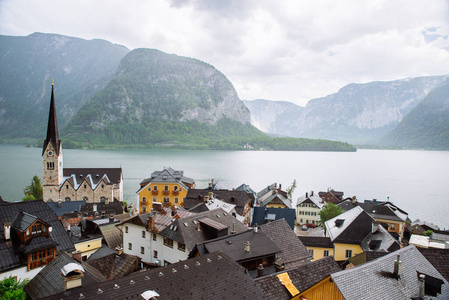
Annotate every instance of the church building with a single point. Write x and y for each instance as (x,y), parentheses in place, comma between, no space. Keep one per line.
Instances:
(92,185)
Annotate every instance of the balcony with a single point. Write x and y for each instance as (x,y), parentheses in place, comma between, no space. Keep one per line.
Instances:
(155,192)
(176,192)
(166,192)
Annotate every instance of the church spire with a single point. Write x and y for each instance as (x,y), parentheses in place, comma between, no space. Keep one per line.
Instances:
(52,128)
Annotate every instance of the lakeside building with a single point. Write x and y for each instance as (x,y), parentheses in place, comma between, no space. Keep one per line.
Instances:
(92,185)
(167,187)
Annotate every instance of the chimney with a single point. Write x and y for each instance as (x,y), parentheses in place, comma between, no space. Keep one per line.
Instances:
(77,255)
(211,195)
(206,198)
(422,285)
(119,250)
(354,199)
(279,266)
(174,210)
(73,275)
(7,230)
(311,194)
(150,222)
(198,228)
(307,195)
(233,228)
(59,203)
(374,227)
(247,247)
(397,267)
(260,270)
(280,186)
(111,219)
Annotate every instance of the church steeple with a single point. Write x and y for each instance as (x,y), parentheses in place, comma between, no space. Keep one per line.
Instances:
(52,128)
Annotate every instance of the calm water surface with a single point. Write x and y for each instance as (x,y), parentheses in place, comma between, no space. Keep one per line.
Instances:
(416,181)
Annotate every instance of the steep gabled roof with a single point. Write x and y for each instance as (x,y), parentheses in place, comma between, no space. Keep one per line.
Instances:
(293,252)
(439,258)
(185,230)
(167,175)
(311,199)
(302,277)
(114,175)
(213,276)
(52,127)
(234,246)
(65,207)
(49,281)
(8,257)
(378,276)
(351,227)
(237,198)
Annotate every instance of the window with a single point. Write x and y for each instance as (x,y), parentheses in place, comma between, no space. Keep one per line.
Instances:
(126,229)
(144,199)
(85,199)
(67,186)
(103,200)
(154,236)
(326,253)
(143,233)
(155,254)
(392,227)
(144,209)
(348,253)
(154,199)
(36,229)
(175,188)
(50,165)
(181,247)
(166,200)
(168,242)
(102,186)
(166,188)
(180,189)
(130,246)
(142,250)
(311,252)
(176,200)
(67,199)
(155,188)
(84,186)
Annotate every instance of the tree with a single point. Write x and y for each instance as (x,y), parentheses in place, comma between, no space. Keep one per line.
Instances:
(10,288)
(34,190)
(428,233)
(291,189)
(329,211)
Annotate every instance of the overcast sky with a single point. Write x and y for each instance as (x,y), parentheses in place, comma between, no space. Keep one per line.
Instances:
(278,50)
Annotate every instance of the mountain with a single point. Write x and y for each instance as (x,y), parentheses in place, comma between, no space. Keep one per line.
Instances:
(357,113)
(28,65)
(426,126)
(183,98)
(273,116)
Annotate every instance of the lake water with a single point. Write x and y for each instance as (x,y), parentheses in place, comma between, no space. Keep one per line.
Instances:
(416,181)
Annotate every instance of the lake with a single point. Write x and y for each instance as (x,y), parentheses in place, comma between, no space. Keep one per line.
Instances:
(416,181)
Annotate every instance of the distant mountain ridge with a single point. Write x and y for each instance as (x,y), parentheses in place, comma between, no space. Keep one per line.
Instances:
(28,65)
(357,113)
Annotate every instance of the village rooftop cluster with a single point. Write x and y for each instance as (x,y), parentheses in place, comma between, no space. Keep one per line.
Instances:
(180,242)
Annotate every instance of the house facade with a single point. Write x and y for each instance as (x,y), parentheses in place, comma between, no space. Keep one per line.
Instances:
(167,187)
(308,208)
(89,184)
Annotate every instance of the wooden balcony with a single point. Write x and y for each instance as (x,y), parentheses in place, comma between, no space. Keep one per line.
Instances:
(155,192)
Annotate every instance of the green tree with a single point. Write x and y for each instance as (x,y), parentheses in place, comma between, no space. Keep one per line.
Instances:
(291,189)
(328,212)
(34,190)
(11,289)
(428,232)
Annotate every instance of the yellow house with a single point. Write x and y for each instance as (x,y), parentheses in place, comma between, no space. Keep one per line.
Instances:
(166,187)
(318,247)
(308,281)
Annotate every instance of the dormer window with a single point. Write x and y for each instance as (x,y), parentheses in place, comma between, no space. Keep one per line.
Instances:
(36,229)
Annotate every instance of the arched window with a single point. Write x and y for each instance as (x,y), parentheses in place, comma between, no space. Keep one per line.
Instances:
(85,198)
(102,199)
(67,199)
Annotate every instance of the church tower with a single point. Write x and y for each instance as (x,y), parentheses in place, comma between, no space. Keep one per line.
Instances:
(52,156)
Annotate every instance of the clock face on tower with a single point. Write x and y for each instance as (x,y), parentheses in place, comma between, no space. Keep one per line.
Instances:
(50,153)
